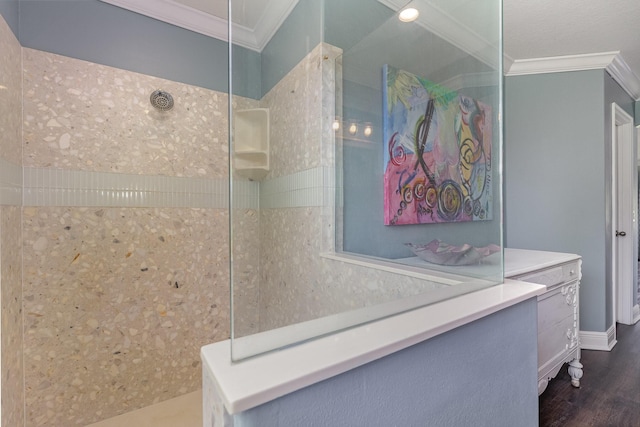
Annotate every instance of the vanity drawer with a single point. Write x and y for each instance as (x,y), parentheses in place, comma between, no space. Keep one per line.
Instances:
(571,271)
(555,343)
(556,305)
(554,275)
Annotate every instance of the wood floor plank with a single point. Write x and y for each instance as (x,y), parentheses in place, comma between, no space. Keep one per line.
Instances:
(609,394)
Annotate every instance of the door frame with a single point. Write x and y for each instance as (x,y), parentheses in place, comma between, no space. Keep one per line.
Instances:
(636,289)
(624,182)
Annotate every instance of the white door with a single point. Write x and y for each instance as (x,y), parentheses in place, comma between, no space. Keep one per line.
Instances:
(624,207)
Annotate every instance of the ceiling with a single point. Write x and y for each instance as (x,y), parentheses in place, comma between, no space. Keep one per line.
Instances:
(544,28)
(551,28)
(532,29)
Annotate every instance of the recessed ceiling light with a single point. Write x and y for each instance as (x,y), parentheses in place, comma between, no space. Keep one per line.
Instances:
(409,14)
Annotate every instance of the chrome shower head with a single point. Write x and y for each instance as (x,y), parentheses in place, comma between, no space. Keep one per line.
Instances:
(161,100)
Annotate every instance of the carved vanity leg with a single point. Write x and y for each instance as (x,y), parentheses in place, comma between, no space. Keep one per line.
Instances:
(575,370)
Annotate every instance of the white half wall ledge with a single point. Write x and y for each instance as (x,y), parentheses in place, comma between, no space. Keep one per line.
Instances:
(603,341)
(612,62)
(258,380)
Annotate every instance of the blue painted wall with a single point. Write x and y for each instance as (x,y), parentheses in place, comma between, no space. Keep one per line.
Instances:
(336,22)
(348,22)
(105,34)
(364,231)
(298,35)
(481,374)
(557,174)
(554,174)
(9,11)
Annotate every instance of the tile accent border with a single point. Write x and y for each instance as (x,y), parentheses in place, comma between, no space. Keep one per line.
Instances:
(10,183)
(308,188)
(60,187)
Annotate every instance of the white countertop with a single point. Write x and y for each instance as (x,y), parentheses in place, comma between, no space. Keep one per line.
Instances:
(255,381)
(521,261)
(516,262)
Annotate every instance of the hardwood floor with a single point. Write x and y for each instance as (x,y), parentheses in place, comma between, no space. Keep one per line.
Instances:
(609,393)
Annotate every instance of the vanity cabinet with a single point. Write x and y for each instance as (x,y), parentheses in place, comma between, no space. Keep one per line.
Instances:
(558,308)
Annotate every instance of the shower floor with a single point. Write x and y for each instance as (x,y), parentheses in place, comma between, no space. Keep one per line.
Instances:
(183,411)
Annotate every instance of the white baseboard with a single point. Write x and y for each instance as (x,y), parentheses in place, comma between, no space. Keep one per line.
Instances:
(636,313)
(590,340)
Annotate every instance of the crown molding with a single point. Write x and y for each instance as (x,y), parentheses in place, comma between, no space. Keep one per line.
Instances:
(559,64)
(183,16)
(612,62)
(622,73)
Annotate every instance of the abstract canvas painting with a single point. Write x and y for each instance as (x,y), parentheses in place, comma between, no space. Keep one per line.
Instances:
(437,153)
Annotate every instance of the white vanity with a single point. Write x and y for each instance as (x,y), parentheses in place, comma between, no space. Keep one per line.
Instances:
(558,308)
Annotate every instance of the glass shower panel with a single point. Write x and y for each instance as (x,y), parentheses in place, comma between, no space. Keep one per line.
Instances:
(124,216)
(420,139)
(365,170)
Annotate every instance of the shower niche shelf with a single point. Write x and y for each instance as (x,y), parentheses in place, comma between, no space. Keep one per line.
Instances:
(251,143)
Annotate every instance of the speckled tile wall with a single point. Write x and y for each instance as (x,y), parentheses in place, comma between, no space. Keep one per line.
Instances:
(246,249)
(118,300)
(85,116)
(12,323)
(10,96)
(289,236)
(295,107)
(298,284)
(297,208)
(11,368)
(246,279)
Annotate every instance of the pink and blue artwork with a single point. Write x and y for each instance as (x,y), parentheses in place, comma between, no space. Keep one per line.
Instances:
(437,153)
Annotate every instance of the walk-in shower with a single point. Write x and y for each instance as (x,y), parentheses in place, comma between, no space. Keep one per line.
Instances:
(114,215)
(382,191)
(294,161)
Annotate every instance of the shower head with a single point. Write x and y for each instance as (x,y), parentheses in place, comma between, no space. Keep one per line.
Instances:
(161,100)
